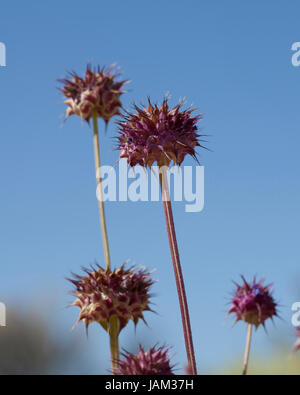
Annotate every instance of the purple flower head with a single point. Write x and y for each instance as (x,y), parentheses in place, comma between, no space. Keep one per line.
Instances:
(158,134)
(253,303)
(101,294)
(97,92)
(152,362)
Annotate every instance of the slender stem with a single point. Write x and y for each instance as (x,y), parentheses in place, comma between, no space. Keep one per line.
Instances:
(114,321)
(247,350)
(100,192)
(114,328)
(177,270)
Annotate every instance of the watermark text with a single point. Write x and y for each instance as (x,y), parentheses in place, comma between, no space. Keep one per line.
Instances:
(183,184)
(2,314)
(2,55)
(296,315)
(296,56)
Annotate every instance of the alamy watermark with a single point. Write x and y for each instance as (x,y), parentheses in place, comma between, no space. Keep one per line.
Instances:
(2,314)
(2,55)
(296,315)
(138,184)
(296,56)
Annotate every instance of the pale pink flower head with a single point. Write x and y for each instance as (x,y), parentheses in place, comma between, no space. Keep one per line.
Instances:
(97,92)
(101,294)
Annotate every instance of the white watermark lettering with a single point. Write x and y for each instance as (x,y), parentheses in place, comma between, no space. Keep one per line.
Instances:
(139,185)
(198,196)
(296,55)
(296,315)
(2,55)
(108,178)
(138,189)
(2,314)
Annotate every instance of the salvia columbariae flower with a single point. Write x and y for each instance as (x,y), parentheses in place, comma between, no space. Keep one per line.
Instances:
(152,362)
(101,294)
(158,134)
(253,303)
(297,343)
(97,92)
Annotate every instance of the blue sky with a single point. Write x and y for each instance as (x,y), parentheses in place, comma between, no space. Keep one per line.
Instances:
(232,60)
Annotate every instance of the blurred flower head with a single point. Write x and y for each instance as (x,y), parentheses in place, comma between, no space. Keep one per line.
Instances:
(97,92)
(152,362)
(297,343)
(158,134)
(253,303)
(101,294)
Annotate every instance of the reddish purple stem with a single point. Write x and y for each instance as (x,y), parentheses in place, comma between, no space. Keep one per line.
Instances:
(178,274)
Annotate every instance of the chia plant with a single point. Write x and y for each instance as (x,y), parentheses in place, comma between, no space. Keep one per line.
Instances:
(162,135)
(96,95)
(254,304)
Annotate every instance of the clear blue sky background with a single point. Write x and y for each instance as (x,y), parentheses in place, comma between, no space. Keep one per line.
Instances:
(232,59)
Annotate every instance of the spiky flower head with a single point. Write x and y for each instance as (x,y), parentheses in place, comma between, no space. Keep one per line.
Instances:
(97,92)
(102,294)
(152,362)
(253,303)
(158,134)
(297,343)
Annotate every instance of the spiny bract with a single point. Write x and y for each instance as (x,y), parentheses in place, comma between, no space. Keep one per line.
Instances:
(96,93)
(101,294)
(152,362)
(253,303)
(158,134)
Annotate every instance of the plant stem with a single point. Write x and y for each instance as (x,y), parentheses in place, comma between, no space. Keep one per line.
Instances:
(114,321)
(100,192)
(114,328)
(247,350)
(177,270)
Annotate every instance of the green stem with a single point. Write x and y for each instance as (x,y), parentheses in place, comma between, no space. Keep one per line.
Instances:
(100,192)
(114,326)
